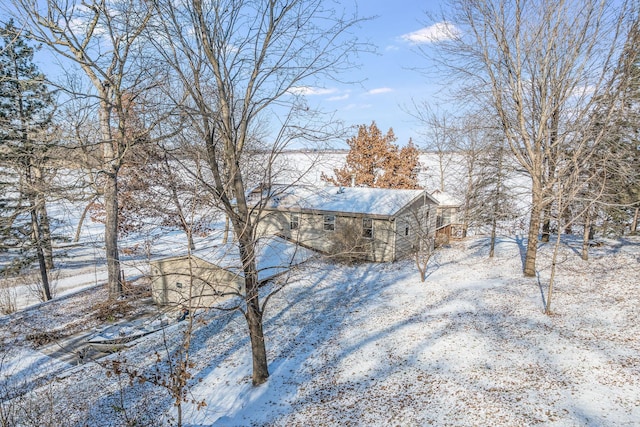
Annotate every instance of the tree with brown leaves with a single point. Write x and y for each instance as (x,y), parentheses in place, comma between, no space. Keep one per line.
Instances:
(375,161)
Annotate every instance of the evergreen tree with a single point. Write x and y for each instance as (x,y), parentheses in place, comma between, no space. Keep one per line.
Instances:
(616,163)
(627,179)
(26,105)
(375,161)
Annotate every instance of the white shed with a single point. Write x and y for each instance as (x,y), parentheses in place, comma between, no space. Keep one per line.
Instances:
(209,276)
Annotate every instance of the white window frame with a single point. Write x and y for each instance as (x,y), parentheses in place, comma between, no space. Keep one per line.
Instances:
(329,223)
(294,221)
(367,228)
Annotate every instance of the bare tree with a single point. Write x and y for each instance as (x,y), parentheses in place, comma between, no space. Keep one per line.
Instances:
(102,38)
(438,136)
(539,63)
(239,62)
(580,181)
(420,236)
(470,143)
(495,189)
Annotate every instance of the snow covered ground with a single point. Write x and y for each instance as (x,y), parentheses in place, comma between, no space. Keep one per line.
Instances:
(349,345)
(369,344)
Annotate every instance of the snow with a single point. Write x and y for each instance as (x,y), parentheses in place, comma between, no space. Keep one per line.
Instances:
(368,201)
(274,256)
(445,199)
(349,344)
(369,344)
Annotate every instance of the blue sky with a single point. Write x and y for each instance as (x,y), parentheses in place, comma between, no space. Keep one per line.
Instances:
(390,81)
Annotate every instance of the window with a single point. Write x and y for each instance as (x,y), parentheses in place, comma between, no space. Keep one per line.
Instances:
(446,216)
(294,222)
(329,222)
(406,230)
(367,228)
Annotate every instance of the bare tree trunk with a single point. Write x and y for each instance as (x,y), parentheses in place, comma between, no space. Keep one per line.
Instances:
(492,247)
(467,199)
(254,313)
(586,235)
(225,235)
(109,153)
(554,259)
(497,200)
(192,245)
(43,218)
(634,223)
(534,226)
(546,225)
(567,216)
(76,237)
(45,227)
(37,240)
(111,235)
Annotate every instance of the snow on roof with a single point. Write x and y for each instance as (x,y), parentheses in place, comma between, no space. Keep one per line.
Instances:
(357,200)
(274,256)
(445,199)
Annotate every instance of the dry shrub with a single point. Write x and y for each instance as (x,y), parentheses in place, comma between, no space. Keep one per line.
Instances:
(44,337)
(8,297)
(141,288)
(110,310)
(349,246)
(133,295)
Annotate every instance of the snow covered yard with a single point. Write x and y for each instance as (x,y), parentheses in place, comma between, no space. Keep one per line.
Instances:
(369,344)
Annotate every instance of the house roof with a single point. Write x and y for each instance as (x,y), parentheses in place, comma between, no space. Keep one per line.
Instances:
(353,200)
(445,199)
(274,256)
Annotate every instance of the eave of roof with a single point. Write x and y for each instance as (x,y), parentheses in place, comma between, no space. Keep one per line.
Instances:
(350,201)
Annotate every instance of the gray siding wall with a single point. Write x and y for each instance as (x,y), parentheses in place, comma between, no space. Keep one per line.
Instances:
(171,281)
(392,239)
(413,223)
(347,235)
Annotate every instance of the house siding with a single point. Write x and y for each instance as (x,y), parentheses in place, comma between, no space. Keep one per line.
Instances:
(387,243)
(412,218)
(209,281)
(348,229)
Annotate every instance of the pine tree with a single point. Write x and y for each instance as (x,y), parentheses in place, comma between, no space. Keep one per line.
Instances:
(616,163)
(375,161)
(25,123)
(627,179)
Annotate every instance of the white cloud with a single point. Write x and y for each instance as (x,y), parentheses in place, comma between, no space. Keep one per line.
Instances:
(378,91)
(358,107)
(434,33)
(310,91)
(339,97)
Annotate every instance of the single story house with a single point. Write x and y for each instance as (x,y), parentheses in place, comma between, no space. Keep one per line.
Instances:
(373,224)
(209,276)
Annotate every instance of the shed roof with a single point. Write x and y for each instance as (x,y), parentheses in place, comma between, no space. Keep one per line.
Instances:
(274,256)
(353,200)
